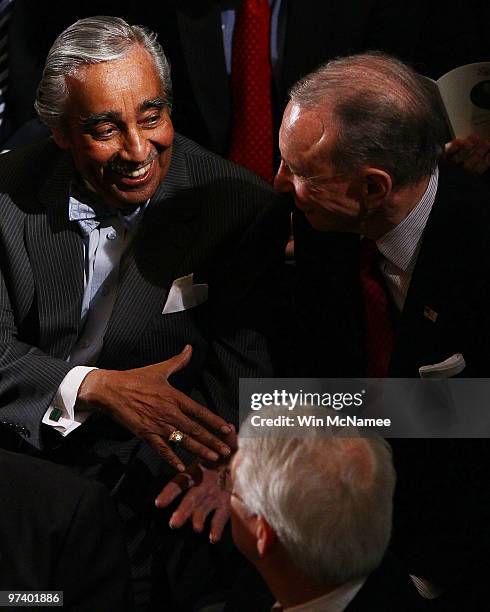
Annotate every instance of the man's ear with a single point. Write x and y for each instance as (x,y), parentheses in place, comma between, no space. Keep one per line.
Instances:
(265,536)
(60,138)
(376,187)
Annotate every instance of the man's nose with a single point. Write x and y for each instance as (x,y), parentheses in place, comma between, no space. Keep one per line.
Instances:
(282,180)
(135,146)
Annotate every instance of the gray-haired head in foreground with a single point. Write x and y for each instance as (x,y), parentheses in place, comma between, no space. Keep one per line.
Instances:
(91,41)
(385,114)
(328,498)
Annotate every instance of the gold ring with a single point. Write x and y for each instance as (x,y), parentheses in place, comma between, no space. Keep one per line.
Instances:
(176,436)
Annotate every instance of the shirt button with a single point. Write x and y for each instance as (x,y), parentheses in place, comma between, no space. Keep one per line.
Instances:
(112,235)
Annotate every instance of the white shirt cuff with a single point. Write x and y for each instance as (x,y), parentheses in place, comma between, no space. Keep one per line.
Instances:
(61,414)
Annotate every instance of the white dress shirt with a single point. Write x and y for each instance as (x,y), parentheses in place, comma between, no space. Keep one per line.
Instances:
(104,249)
(400,246)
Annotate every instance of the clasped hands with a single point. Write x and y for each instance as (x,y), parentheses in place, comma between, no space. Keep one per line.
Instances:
(143,401)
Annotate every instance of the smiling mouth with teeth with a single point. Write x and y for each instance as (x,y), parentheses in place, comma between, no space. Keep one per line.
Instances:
(121,170)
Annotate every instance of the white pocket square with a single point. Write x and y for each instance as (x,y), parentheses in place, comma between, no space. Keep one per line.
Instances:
(452,366)
(184,294)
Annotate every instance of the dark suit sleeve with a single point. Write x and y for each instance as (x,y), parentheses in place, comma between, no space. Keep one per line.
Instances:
(28,377)
(37,305)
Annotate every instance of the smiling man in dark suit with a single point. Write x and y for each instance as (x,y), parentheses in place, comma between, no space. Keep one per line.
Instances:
(122,244)
(361,144)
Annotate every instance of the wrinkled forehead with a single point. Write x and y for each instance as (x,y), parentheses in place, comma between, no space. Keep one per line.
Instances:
(105,83)
(305,135)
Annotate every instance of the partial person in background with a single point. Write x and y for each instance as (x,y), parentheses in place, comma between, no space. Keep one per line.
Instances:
(313,514)
(299,36)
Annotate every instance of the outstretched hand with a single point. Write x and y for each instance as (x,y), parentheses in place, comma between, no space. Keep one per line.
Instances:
(143,401)
(203,494)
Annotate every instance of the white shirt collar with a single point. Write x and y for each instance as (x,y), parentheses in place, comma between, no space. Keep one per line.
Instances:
(335,601)
(400,244)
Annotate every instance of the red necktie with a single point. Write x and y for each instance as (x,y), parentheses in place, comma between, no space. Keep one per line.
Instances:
(380,335)
(252,142)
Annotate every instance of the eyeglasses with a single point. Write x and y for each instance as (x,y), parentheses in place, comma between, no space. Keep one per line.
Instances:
(314,184)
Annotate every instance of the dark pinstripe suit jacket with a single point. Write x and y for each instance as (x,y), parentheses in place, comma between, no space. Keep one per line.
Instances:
(208,217)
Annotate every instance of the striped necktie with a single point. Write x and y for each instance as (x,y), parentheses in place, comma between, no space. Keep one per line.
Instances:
(5,14)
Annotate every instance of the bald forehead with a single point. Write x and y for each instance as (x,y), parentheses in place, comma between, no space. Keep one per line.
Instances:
(304,133)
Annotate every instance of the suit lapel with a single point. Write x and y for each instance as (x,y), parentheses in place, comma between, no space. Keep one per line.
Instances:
(200,29)
(154,260)
(439,282)
(56,254)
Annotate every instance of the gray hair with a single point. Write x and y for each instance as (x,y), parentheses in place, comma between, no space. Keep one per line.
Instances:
(329,499)
(90,41)
(383,114)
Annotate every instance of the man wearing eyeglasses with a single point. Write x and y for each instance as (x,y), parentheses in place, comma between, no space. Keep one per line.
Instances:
(324,552)
(394,279)
(361,147)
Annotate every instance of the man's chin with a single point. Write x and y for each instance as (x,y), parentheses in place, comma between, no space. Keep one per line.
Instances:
(122,198)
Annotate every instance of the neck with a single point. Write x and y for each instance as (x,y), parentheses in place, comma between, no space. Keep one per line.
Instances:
(392,212)
(289,585)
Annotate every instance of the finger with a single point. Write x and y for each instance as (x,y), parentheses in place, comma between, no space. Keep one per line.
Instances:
(203,414)
(197,439)
(218,524)
(164,451)
(454,146)
(199,450)
(481,149)
(201,442)
(177,362)
(191,501)
(476,139)
(200,515)
(479,160)
(170,492)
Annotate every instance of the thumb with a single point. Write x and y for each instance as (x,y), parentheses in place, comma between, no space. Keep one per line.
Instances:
(178,362)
